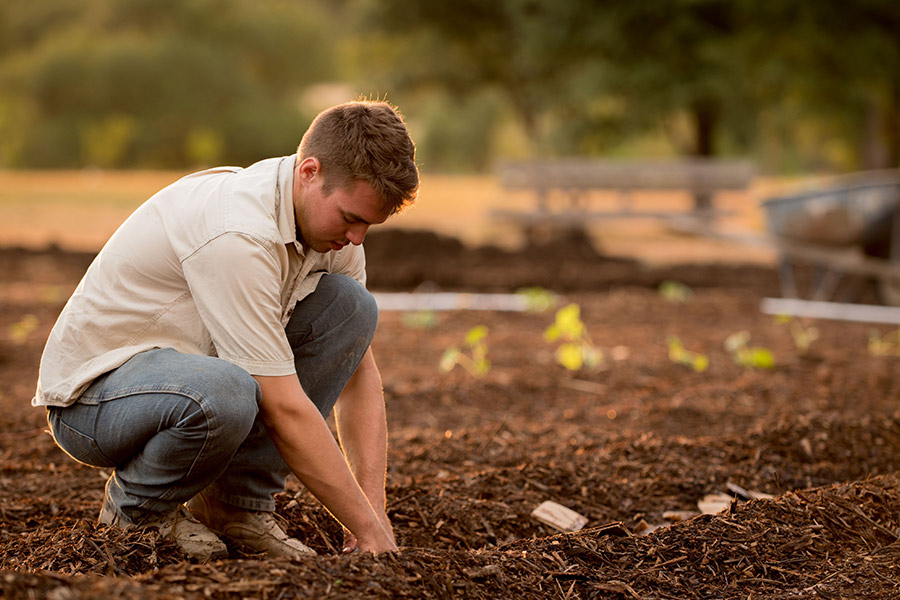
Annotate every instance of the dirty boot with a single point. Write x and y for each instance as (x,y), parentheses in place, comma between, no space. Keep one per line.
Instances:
(194,538)
(255,530)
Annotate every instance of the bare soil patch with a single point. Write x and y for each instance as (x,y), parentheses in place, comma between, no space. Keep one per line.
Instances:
(471,458)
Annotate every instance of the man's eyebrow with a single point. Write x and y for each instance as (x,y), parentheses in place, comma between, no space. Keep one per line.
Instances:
(355,217)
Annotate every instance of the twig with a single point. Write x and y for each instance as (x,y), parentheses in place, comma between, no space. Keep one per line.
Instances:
(110,561)
(582,385)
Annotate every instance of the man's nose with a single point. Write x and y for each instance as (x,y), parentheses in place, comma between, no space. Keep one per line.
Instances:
(356,233)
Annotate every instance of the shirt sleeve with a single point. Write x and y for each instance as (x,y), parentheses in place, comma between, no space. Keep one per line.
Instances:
(235,281)
(353,263)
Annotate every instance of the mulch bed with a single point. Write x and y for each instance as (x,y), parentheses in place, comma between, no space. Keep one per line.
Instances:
(470,458)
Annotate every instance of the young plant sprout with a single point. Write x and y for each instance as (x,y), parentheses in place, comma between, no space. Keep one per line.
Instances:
(755,357)
(19,331)
(678,354)
(476,361)
(420,319)
(577,351)
(803,336)
(884,345)
(674,291)
(537,299)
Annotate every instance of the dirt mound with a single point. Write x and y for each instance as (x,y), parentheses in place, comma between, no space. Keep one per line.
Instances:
(404,260)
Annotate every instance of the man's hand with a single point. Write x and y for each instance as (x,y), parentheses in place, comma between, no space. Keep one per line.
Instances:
(362,431)
(310,450)
(351,543)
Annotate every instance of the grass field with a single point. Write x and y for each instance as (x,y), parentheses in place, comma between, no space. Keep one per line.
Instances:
(79,210)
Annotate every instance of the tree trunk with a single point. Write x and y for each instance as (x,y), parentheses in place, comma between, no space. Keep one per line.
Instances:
(706,120)
(874,149)
(892,126)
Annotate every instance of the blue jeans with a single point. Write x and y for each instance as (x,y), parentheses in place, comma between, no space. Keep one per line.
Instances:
(171,425)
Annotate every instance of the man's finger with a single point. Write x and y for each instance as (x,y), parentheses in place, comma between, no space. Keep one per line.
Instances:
(350,543)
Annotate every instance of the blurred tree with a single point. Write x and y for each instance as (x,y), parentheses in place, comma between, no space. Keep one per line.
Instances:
(582,75)
(156,82)
(676,57)
(457,136)
(838,62)
(528,49)
(179,82)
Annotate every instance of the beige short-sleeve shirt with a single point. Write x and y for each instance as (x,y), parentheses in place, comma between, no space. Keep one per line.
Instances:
(209,265)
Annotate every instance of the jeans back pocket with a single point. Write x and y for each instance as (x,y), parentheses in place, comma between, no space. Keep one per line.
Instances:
(79,446)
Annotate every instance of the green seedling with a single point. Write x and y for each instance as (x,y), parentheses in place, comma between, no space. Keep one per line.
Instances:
(20,330)
(674,291)
(537,299)
(803,336)
(884,345)
(420,319)
(678,354)
(476,361)
(755,357)
(576,351)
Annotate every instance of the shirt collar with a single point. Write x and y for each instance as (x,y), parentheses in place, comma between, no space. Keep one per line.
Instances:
(284,201)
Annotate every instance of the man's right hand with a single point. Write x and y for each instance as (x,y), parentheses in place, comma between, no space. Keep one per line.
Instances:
(352,543)
(310,450)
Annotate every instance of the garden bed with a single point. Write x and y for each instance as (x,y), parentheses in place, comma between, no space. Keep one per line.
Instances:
(625,445)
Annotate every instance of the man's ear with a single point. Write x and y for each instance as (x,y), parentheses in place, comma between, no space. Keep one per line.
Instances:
(308,169)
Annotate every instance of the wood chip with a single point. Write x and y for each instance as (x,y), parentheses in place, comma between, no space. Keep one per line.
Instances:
(558,516)
(679,515)
(714,503)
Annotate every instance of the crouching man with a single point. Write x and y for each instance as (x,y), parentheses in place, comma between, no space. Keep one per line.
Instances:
(219,326)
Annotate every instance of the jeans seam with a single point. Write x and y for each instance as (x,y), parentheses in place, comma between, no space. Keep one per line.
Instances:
(208,416)
(147,389)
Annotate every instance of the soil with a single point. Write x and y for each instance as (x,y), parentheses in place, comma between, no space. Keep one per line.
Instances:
(627,445)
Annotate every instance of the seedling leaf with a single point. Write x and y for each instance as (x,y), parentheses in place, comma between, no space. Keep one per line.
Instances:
(577,351)
(538,299)
(449,359)
(476,335)
(674,291)
(569,356)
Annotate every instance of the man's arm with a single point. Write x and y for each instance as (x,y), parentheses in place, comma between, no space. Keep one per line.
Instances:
(307,446)
(362,430)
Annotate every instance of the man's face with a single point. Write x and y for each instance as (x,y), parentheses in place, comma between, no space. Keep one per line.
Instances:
(330,222)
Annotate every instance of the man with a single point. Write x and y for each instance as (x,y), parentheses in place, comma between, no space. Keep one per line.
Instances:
(216,329)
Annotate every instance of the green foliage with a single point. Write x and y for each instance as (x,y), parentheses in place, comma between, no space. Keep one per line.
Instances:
(166,83)
(884,345)
(538,299)
(674,291)
(20,330)
(420,319)
(755,357)
(476,361)
(802,336)
(576,351)
(457,134)
(679,355)
(157,83)
(106,142)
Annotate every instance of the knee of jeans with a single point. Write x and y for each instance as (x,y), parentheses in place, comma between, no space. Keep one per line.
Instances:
(359,302)
(232,400)
(354,300)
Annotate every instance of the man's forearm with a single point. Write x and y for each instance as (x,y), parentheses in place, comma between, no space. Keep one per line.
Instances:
(362,429)
(307,446)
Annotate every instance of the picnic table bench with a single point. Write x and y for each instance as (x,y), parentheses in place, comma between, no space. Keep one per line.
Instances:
(562,188)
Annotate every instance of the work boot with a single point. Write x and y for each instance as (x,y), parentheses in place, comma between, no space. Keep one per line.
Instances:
(194,538)
(256,530)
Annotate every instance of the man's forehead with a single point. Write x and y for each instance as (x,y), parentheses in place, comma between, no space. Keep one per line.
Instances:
(360,201)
